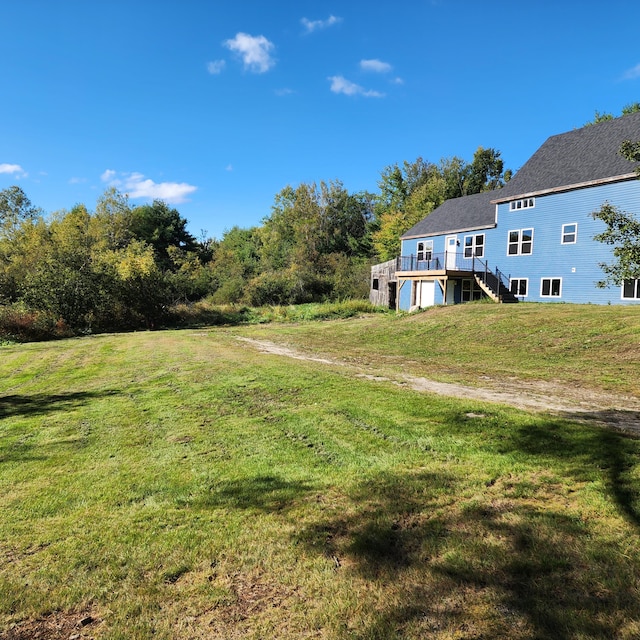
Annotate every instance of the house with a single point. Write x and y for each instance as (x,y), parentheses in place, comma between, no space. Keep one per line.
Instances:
(532,240)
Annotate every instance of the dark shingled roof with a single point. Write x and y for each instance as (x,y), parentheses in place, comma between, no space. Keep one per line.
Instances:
(458,214)
(577,157)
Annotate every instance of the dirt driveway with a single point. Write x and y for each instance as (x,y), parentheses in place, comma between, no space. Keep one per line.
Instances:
(620,412)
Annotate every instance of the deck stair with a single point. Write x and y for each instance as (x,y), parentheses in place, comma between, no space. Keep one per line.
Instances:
(492,283)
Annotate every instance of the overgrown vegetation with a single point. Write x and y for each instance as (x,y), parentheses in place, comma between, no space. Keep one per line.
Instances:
(178,484)
(126,267)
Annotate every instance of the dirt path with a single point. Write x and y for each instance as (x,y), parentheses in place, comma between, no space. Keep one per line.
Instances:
(617,411)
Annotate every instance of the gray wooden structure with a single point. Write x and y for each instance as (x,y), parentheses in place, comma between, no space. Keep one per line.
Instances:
(384,285)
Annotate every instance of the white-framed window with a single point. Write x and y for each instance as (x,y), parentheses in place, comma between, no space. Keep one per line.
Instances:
(525,203)
(569,233)
(520,242)
(551,288)
(631,289)
(471,291)
(424,250)
(519,287)
(474,246)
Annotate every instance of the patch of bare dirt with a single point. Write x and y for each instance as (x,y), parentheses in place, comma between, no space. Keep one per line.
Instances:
(621,412)
(58,625)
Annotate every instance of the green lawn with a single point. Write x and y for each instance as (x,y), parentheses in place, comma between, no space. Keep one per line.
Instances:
(179,484)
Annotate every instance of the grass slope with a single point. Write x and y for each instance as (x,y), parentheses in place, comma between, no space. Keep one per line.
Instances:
(180,485)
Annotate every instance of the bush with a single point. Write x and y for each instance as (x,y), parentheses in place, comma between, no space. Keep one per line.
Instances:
(20,324)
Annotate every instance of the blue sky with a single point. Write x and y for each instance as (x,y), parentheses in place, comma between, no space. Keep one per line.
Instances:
(216,105)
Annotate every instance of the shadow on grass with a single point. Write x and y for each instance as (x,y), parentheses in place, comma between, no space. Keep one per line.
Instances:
(570,447)
(446,563)
(20,447)
(41,403)
(268,494)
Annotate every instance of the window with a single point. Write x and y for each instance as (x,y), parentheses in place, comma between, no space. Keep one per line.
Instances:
(471,291)
(519,286)
(375,284)
(631,290)
(520,242)
(425,250)
(474,246)
(525,203)
(570,233)
(551,287)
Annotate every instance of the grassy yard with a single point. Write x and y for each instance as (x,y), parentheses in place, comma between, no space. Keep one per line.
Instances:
(179,484)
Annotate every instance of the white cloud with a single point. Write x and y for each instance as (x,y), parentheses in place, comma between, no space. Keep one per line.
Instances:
(284,92)
(255,51)
(215,67)
(315,25)
(135,185)
(339,84)
(229,167)
(14,169)
(632,74)
(376,66)
(76,180)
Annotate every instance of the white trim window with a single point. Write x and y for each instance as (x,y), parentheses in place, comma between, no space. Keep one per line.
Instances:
(551,288)
(474,246)
(470,291)
(631,289)
(424,250)
(519,287)
(520,242)
(569,233)
(525,203)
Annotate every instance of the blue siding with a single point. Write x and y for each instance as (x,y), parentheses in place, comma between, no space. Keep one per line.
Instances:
(575,264)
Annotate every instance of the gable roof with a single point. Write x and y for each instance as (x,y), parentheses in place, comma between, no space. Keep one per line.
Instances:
(578,158)
(457,215)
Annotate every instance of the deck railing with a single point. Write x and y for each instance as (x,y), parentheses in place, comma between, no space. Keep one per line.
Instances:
(449,261)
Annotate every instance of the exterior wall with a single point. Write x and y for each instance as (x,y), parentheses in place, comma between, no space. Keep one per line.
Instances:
(383,286)
(575,264)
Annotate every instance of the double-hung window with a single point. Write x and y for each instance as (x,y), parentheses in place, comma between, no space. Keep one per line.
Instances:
(474,246)
(424,250)
(520,242)
(551,287)
(570,233)
(631,289)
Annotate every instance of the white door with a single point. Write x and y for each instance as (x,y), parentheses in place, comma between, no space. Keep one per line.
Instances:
(452,249)
(426,294)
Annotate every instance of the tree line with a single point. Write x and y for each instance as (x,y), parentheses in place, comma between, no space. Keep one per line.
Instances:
(123,266)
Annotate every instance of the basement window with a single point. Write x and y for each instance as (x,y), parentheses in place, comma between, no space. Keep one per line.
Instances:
(519,287)
(471,291)
(551,288)
(631,290)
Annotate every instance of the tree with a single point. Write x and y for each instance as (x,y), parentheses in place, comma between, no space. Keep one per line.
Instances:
(622,232)
(411,192)
(15,208)
(598,117)
(162,227)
